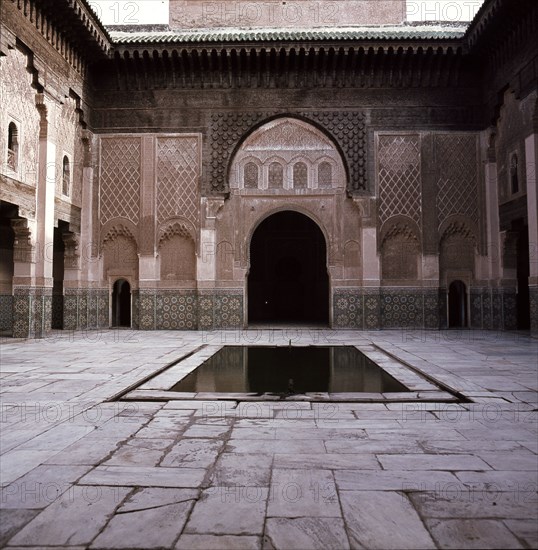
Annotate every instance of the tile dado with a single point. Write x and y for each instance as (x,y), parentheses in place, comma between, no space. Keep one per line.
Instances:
(386,308)
(409,308)
(32,312)
(494,308)
(533,294)
(188,309)
(85,309)
(6,312)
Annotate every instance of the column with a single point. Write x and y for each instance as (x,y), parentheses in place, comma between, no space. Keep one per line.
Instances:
(483,308)
(371,276)
(33,280)
(434,297)
(147,265)
(531,156)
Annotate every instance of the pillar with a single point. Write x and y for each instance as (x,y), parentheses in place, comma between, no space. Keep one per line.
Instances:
(531,156)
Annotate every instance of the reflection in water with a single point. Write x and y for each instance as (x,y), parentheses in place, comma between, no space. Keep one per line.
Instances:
(288,370)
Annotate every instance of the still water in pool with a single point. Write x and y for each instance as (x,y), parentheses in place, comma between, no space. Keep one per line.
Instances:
(289,370)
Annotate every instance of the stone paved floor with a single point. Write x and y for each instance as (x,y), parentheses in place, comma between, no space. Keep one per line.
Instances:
(79,471)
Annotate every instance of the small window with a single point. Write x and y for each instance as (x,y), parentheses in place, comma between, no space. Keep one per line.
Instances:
(514,175)
(13,146)
(300,175)
(325,175)
(251,176)
(66,177)
(276,175)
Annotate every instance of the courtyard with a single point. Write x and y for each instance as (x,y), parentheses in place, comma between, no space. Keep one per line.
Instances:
(90,461)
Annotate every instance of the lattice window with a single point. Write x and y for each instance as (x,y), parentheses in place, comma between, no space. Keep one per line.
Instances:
(120,179)
(66,176)
(457,178)
(251,175)
(67,125)
(178,170)
(325,175)
(12,146)
(300,175)
(276,175)
(399,177)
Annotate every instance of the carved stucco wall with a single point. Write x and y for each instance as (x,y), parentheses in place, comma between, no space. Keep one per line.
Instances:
(400,206)
(288,141)
(119,205)
(456,159)
(18,104)
(399,177)
(400,252)
(515,121)
(177,254)
(120,254)
(68,143)
(178,206)
(285,141)
(178,174)
(119,179)
(165,186)
(456,253)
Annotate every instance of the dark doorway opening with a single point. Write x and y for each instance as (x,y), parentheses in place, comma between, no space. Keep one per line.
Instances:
(58,270)
(121,304)
(288,280)
(457,304)
(523,273)
(8,212)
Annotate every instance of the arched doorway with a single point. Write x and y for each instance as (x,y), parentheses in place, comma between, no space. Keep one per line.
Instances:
(457,304)
(121,304)
(7,267)
(58,274)
(288,280)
